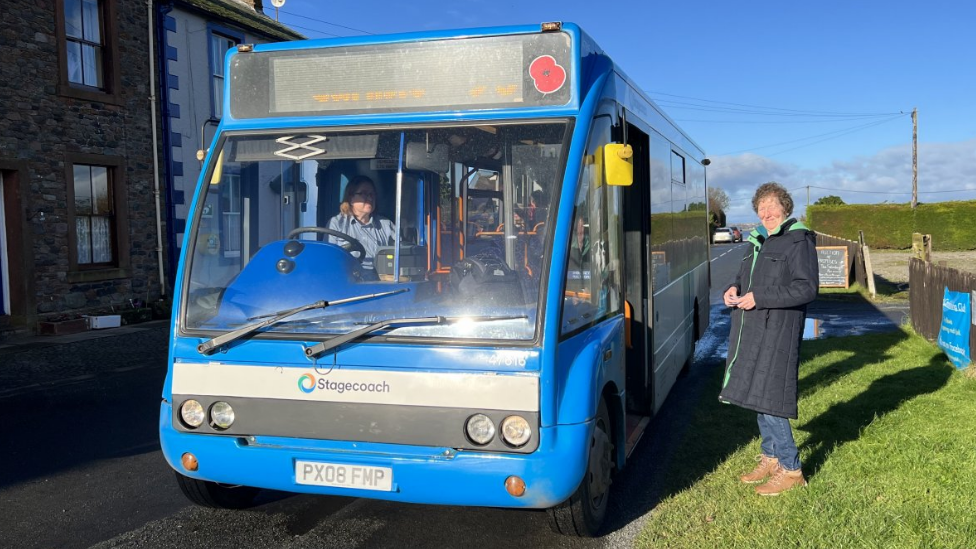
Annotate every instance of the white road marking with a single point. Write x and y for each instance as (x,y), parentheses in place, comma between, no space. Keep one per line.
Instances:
(727,252)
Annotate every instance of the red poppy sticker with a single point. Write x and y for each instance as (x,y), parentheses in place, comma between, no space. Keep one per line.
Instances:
(547,75)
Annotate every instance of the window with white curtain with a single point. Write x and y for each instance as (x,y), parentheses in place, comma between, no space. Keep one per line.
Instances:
(94,215)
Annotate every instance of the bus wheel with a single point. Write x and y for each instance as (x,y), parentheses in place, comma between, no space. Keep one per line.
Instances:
(219,496)
(582,514)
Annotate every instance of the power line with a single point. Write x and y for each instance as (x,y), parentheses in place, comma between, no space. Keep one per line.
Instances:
(833,135)
(795,116)
(773,108)
(294,26)
(856,129)
(677,105)
(803,187)
(769,121)
(327,23)
(889,192)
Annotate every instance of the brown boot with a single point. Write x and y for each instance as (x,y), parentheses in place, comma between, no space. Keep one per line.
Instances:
(781,481)
(763,469)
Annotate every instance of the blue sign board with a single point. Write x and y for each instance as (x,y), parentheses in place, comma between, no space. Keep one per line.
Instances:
(954,332)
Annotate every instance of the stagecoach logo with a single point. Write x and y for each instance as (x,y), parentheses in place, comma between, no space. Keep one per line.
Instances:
(305,146)
(307,383)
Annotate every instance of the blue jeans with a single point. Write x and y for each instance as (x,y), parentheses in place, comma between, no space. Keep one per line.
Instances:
(777,441)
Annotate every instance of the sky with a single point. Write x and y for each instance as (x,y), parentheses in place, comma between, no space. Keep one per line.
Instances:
(815,95)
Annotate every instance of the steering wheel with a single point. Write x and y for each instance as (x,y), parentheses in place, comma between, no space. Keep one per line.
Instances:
(350,245)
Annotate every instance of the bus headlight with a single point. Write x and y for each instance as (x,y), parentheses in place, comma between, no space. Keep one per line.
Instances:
(480,429)
(192,414)
(222,415)
(516,430)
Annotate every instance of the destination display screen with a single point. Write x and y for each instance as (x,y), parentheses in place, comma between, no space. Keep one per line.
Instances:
(438,75)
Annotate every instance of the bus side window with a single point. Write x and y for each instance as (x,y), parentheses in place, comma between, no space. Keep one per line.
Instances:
(592,273)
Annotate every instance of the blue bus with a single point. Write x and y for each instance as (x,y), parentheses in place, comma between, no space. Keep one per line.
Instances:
(455,267)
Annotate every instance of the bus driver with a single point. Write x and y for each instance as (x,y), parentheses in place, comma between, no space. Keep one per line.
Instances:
(356,219)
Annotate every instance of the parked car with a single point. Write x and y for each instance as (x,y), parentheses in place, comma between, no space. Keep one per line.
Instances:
(723,234)
(736,233)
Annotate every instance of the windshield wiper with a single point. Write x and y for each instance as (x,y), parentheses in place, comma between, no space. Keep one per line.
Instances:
(320,348)
(208,346)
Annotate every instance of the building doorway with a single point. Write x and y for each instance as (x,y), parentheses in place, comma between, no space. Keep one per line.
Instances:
(4,260)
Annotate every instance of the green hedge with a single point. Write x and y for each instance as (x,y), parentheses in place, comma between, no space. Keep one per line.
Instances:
(890,226)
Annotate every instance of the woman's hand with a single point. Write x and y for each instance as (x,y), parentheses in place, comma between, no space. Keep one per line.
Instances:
(746,302)
(731,297)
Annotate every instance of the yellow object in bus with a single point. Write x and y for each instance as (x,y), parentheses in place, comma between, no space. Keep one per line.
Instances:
(218,169)
(619,164)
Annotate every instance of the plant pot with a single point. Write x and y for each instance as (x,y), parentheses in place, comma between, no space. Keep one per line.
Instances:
(62,327)
(135,316)
(161,310)
(100,322)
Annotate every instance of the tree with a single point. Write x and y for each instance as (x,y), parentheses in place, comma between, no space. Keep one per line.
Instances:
(718,200)
(829,201)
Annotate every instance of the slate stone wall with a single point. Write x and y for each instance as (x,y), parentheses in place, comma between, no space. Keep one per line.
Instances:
(40,125)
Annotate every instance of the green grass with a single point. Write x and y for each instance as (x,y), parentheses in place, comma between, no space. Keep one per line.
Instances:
(885,292)
(887,435)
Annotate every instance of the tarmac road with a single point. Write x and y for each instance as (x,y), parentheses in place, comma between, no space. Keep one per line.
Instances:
(80,464)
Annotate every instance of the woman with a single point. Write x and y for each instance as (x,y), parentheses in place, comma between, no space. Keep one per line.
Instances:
(777,279)
(356,219)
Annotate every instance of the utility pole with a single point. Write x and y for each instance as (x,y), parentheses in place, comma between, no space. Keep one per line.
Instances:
(808,196)
(914,158)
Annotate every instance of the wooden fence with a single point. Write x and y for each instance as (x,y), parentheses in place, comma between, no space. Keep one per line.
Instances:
(927,283)
(856,271)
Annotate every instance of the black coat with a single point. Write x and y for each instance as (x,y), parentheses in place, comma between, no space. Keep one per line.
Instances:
(782,273)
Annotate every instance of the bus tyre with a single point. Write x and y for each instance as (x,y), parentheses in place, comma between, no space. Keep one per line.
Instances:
(219,496)
(582,514)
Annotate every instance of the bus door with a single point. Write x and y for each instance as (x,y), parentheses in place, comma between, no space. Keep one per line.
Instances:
(637,288)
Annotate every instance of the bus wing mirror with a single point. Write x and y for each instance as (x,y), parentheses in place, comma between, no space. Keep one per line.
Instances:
(619,164)
(419,157)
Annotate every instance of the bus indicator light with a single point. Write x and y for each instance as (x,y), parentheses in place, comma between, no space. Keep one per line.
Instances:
(515,486)
(189,462)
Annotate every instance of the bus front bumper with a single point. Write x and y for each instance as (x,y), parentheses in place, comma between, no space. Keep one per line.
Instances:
(420,474)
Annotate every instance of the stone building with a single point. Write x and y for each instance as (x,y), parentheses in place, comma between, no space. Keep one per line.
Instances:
(87,224)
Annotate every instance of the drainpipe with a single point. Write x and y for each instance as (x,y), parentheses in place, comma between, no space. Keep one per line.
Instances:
(155,152)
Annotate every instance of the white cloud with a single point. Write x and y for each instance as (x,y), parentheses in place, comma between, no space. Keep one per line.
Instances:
(739,176)
(884,176)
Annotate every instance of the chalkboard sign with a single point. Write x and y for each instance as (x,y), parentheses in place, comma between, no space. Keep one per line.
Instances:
(833,266)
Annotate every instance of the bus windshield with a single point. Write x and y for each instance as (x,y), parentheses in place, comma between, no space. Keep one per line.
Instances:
(456,216)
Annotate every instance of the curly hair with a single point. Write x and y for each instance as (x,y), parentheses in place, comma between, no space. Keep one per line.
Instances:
(775,190)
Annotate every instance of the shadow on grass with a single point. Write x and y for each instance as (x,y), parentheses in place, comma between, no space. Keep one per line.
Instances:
(694,434)
(843,422)
(862,353)
(690,436)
